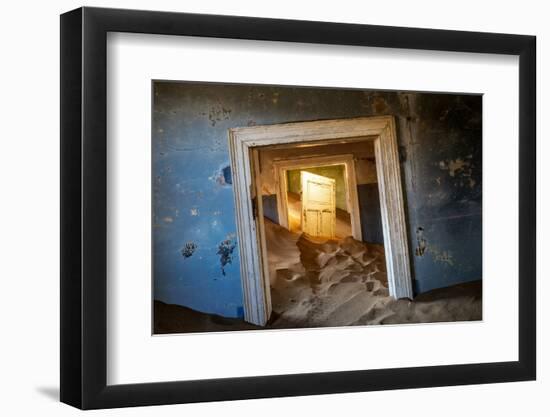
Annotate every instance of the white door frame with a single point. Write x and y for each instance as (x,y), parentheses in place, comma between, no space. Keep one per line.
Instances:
(249,209)
(280,167)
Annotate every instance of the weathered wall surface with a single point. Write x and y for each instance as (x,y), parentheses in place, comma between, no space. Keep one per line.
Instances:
(196,260)
(442,160)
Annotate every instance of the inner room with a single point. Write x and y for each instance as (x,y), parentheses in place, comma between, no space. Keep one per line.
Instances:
(326,212)
(323,231)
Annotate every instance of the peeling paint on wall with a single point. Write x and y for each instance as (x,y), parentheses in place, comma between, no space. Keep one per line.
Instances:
(460,170)
(422,249)
(225,250)
(189,249)
(379,104)
(222,176)
(217,113)
(444,257)
(421,243)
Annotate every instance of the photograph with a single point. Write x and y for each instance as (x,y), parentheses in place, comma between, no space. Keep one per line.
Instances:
(292,207)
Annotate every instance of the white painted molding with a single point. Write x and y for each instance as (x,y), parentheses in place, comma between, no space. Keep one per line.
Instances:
(392,210)
(256,295)
(250,230)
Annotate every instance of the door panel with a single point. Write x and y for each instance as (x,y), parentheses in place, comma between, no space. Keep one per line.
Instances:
(318,205)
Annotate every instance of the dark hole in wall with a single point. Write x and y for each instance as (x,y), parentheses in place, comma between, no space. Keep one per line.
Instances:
(226,172)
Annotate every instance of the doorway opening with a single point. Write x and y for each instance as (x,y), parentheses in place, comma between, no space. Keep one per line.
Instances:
(314,194)
(297,197)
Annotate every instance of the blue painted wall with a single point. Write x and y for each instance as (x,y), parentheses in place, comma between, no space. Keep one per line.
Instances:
(369,211)
(196,260)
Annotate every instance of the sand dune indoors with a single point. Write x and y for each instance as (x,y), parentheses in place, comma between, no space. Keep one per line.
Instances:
(316,283)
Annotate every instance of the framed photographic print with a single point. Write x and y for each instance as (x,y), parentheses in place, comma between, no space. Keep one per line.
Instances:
(257,208)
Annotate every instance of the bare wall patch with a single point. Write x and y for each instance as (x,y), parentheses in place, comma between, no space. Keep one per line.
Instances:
(188,249)
(421,243)
(460,169)
(225,251)
(222,176)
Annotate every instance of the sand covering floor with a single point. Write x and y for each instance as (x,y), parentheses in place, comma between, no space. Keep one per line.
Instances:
(320,283)
(316,283)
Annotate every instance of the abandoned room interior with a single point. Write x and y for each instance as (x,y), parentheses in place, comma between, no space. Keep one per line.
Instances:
(293,207)
(315,257)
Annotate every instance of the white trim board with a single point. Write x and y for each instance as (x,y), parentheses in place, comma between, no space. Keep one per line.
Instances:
(249,210)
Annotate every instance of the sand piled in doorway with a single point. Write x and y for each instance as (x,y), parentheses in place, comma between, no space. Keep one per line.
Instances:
(319,283)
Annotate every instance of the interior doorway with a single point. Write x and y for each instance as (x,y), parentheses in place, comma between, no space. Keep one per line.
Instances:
(316,198)
(287,173)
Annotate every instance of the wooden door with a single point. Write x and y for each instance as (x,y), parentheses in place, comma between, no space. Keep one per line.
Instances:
(318,205)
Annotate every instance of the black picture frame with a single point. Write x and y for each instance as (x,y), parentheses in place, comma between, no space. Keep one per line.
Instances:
(84,207)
